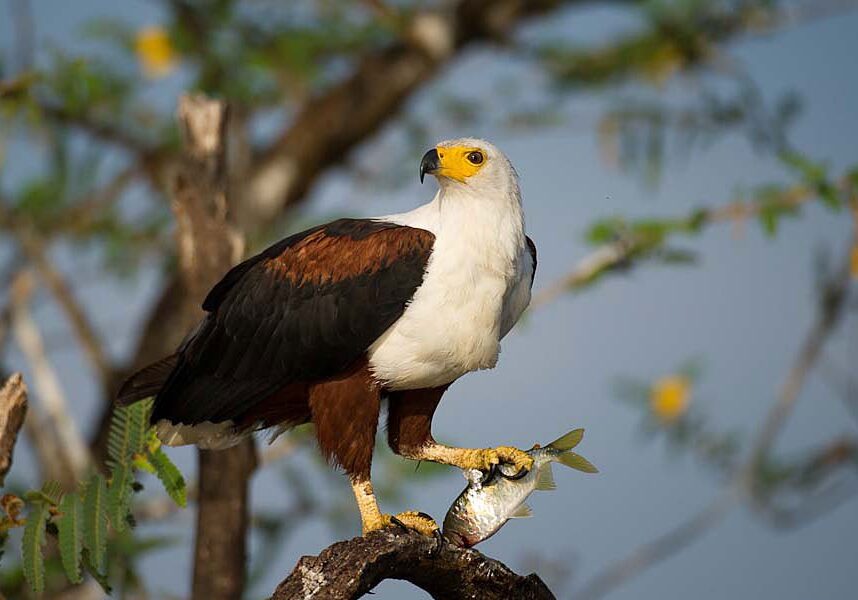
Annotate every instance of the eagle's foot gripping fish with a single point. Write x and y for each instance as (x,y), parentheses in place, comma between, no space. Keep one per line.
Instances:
(487,459)
(498,493)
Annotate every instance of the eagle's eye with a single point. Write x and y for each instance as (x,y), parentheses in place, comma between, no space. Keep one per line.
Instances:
(475,157)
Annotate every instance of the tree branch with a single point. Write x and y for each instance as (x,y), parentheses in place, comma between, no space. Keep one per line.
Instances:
(619,253)
(659,549)
(350,569)
(13,409)
(346,114)
(62,453)
(89,339)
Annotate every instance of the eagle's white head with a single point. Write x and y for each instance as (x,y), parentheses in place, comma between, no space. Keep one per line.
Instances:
(471,166)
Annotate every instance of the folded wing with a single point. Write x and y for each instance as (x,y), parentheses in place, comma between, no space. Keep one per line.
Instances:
(305,309)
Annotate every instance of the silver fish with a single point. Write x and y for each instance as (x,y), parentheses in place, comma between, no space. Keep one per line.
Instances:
(491,499)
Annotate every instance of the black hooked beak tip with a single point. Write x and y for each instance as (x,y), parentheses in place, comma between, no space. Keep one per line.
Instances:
(430,163)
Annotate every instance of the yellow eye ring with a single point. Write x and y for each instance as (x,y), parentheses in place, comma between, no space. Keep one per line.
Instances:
(475,157)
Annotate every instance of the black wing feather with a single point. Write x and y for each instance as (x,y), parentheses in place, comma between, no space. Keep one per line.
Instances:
(265,331)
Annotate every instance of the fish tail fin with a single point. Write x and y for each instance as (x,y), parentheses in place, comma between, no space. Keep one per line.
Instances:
(568,441)
(577,462)
(562,446)
(545,478)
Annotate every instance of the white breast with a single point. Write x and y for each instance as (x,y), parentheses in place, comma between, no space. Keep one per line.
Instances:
(477,283)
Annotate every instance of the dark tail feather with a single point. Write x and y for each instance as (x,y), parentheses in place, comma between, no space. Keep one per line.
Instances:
(146,382)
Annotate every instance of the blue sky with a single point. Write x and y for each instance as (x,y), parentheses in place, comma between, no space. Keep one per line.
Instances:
(743,311)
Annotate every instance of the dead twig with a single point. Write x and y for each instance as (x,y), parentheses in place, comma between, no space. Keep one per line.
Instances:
(93,347)
(13,410)
(60,448)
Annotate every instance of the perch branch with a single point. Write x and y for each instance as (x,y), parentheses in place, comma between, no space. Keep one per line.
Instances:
(350,569)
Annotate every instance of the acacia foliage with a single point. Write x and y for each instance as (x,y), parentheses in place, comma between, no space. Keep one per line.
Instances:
(82,521)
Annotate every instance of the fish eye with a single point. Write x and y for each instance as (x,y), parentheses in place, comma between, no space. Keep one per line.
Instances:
(475,157)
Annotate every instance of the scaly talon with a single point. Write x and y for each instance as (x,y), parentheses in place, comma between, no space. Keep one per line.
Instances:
(418,521)
(411,519)
(519,459)
(486,458)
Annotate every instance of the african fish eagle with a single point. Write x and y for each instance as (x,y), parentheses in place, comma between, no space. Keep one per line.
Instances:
(323,325)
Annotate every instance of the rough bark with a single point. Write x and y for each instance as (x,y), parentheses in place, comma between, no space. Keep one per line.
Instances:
(352,568)
(207,247)
(13,410)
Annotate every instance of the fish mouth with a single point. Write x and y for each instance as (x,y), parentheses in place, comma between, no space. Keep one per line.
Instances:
(459,539)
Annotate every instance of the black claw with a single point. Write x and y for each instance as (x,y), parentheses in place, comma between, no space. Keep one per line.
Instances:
(521,473)
(489,475)
(396,521)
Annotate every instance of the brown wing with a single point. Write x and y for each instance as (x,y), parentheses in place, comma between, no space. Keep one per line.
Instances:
(305,309)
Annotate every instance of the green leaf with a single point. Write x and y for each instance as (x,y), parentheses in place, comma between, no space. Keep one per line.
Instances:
(50,493)
(815,175)
(53,491)
(605,231)
(119,497)
(100,577)
(70,526)
(170,476)
(128,430)
(828,195)
(33,563)
(769,220)
(141,462)
(95,521)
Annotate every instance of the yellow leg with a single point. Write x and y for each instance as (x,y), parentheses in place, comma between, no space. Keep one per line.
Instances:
(372,518)
(474,458)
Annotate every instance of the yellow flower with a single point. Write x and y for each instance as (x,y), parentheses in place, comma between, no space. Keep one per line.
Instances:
(853,263)
(155,52)
(669,397)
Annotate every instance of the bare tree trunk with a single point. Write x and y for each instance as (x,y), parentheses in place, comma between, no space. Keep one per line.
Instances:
(207,247)
(220,555)
(350,569)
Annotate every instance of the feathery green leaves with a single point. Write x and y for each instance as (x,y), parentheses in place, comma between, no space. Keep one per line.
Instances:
(31,546)
(170,476)
(50,493)
(70,532)
(128,432)
(119,497)
(95,521)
